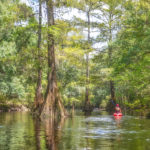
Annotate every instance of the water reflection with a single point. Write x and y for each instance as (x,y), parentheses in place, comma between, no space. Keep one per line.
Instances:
(52,133)
(118,121)
(98,132)
(37,133)
(17,131)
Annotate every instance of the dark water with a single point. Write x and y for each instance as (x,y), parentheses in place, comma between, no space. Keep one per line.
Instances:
(19,131)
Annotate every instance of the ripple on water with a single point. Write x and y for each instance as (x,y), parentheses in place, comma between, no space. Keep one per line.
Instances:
(108,131)
(99,119)
(103,131)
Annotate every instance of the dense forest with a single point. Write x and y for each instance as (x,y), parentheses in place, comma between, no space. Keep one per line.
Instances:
(75,53)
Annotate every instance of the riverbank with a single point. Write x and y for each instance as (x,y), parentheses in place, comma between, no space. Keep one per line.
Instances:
(21,107)
(13,107)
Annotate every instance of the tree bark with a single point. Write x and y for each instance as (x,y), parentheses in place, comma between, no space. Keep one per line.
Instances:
(38,93)
(112,87)
(52,100)
(112,91)
(87,105)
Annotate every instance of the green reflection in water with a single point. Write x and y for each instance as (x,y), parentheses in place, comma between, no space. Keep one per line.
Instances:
(16,131)
(19,131)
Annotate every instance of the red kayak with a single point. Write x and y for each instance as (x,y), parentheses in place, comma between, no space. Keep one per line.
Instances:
(117,114)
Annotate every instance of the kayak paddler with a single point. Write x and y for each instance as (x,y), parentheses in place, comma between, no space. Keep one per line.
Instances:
(117,109)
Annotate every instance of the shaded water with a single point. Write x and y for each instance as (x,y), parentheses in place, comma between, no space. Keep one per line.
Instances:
(19,131)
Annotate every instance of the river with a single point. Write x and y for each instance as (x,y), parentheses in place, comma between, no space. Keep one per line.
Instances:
(100,131)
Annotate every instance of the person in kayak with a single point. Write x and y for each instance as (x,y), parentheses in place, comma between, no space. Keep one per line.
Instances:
(117,109)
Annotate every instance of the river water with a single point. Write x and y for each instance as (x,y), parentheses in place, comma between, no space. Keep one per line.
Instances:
(19,131)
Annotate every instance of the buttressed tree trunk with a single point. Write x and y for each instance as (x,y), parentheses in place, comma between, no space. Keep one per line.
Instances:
(52,102)
(38,93)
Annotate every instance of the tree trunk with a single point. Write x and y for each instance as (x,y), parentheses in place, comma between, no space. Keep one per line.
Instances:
(112,91)
(87,105)
(112,87)
(38,94)
(52,98)
(72,111)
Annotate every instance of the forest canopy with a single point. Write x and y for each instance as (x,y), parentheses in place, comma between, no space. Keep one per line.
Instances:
(102,52)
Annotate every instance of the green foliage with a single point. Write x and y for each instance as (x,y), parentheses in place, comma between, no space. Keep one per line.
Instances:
(131,69)
(122,25)
(13,39)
